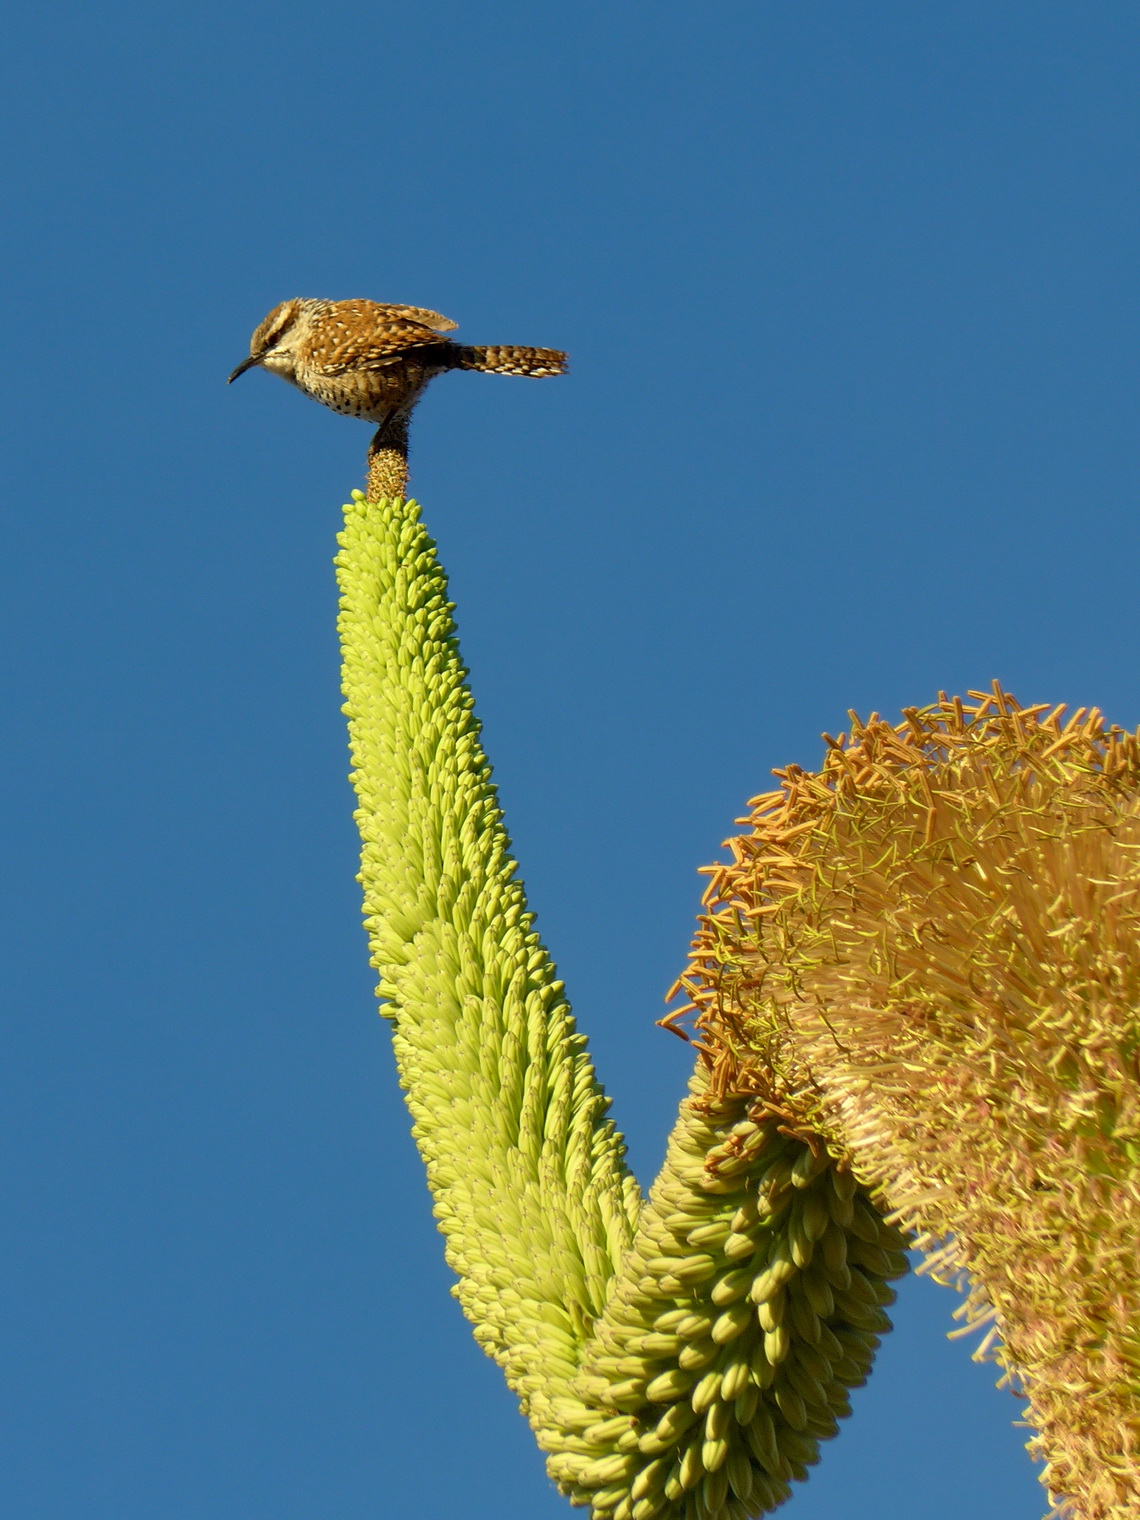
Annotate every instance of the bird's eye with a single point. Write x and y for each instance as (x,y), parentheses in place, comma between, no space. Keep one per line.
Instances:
(274,337)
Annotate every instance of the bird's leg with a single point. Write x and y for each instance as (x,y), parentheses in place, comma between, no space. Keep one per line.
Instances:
(388,457)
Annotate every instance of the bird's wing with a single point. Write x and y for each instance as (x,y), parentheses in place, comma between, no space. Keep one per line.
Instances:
(421,314)
(365,335)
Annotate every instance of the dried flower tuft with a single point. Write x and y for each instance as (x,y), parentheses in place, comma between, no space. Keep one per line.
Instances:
(929,952)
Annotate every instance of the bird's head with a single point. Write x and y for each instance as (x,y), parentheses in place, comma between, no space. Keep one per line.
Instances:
(274,341)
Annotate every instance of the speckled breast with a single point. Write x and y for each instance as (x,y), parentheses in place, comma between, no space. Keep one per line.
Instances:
(373,393)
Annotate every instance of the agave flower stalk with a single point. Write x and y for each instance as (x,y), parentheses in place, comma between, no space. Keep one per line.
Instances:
(680,1356)
(930,950)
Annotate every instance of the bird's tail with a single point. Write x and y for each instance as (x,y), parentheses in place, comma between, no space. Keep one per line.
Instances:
(510,361)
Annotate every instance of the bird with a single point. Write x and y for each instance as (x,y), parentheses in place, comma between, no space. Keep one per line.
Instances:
(371,360)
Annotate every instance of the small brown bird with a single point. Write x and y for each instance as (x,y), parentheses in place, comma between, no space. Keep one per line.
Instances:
(373,361)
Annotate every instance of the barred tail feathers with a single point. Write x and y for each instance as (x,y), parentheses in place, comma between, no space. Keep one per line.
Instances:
(510,361)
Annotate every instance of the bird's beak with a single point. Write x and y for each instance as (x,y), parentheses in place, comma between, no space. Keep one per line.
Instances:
(243,366)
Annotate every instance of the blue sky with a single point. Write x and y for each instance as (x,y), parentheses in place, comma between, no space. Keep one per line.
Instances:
(850,296)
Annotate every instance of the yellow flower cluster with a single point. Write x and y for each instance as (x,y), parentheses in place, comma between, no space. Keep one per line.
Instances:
(929,953)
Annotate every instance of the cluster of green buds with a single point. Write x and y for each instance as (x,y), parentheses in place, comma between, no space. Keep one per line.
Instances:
(751,1303)
(680,1356)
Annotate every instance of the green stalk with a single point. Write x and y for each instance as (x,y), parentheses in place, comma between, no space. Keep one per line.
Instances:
(663,1375)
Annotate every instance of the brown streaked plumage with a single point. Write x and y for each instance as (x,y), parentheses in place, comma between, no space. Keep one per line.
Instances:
(369,360)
